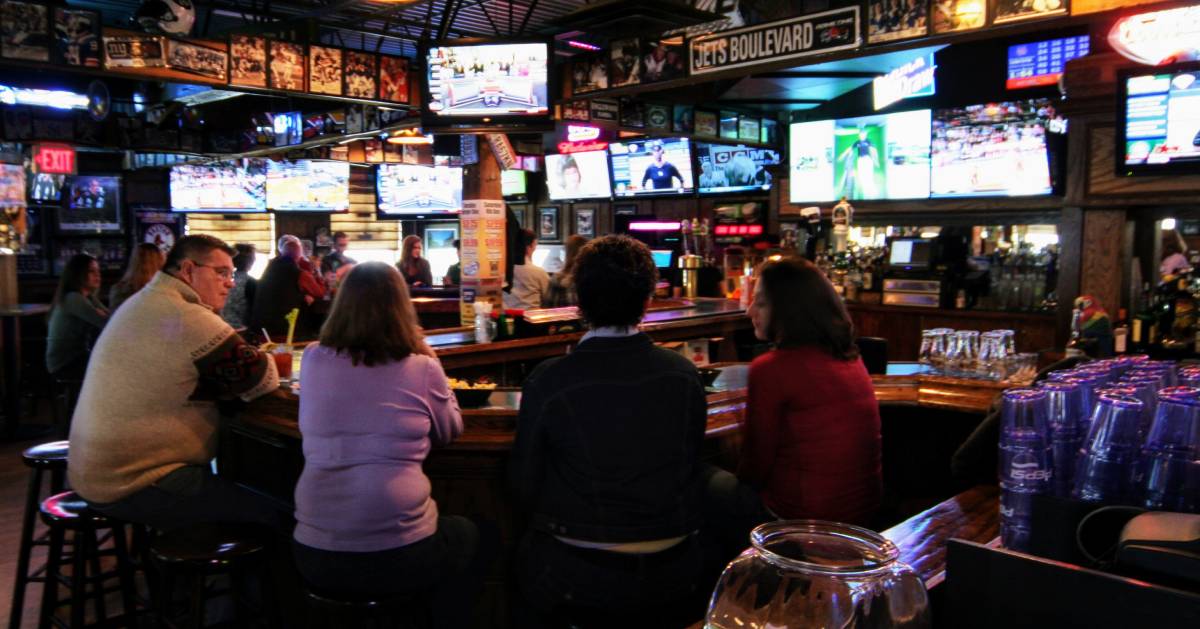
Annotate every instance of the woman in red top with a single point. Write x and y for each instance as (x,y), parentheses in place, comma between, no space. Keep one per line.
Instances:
(811,444)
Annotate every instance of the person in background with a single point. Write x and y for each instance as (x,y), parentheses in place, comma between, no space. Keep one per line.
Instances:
(530,282)
(145,429)
(373,400)
(412,266)
(614,519)
(811,451)
(562,286)
(454,273)
(286,285)
(337,258)
(1173,261)
(241,297)
(76,318)
(146,260)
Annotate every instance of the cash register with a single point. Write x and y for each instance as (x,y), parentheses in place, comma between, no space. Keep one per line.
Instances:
(910,279)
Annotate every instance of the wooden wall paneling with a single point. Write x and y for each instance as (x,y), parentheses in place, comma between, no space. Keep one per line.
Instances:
(255,229)
(1105,187)
(1100,269)
(1070,259)
(360,223)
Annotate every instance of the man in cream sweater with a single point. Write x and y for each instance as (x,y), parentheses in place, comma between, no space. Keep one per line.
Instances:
(145,427)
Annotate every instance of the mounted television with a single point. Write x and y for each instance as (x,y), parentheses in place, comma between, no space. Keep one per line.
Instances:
(884,156)
(308,186)
(405,190)
(12,185)
(1158,130)
(997,149)
(512,183)
(733,168)
(230,188)
(46,188)
(486,82)
(650,167)
(1041,63)
(93,205)
(578,176)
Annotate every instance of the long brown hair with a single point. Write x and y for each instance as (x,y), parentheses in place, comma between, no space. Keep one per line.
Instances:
(574,244)
(74,274)
(804,310)
(406,257)
(147,259)
(372,318)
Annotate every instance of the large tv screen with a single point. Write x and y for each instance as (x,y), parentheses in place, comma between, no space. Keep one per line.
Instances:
(651,167)
(308,186)
(46,188)
(885,156)
(93,205)
(578,176)
(512,183)
(405,189)
(733,168)
(1161,121)
(472,81)
(1041,63)
(997,149)
(229,188)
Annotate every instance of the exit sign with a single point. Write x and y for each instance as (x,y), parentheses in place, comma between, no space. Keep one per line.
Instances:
(54,159)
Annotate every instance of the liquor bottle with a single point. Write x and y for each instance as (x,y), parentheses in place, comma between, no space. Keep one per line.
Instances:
(1144,333)
(1121,333)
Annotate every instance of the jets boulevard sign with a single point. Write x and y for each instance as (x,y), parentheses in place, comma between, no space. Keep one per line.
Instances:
(827,31)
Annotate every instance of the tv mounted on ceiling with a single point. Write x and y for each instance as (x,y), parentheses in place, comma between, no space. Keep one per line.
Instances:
(482,82)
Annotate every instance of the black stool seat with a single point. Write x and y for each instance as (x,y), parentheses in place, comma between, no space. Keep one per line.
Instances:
(408,610)
(70,511)
(47,456)
(209,545)
(360,600)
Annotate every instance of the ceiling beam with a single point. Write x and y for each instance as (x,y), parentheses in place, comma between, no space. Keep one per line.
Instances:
(528,14)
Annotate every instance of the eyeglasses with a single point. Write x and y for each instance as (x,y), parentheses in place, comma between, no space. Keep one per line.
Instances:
(224,273)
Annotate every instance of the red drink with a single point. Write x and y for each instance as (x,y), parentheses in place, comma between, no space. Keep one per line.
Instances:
(283,363)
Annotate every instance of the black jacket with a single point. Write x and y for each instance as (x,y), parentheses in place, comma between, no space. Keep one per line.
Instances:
(608,443)
(277,293)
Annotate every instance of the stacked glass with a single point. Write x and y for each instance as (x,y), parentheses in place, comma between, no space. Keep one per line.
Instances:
(1168,470)
(1065,409)
(1104,471)
(1025,461)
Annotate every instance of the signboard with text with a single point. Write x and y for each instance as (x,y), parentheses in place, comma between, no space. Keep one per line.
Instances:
(483,241)
(54,159)
(1158,37)
(827,31)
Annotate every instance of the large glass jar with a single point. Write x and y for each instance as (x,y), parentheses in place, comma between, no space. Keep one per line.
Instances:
(812,573)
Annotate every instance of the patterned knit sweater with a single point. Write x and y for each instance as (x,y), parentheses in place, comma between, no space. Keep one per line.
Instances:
(148,404)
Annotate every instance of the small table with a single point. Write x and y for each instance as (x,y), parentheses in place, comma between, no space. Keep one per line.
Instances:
(10,341)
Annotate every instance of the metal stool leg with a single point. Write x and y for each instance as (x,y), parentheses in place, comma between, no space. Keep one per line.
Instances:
(197,613)
(26,549)
(83,548)
(125,574)
(94,579)
(53,570)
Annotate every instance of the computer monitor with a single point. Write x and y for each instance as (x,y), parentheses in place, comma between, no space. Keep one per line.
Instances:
(910,253)
(662,258)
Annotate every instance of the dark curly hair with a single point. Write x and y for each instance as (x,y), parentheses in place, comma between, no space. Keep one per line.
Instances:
(614,276)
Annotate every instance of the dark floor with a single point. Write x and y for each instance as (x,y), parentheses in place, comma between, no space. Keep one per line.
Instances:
(14,481)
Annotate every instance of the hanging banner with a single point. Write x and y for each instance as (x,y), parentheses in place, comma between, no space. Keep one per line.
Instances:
(503,150)
(1158,37)
(827,31)
(482,241)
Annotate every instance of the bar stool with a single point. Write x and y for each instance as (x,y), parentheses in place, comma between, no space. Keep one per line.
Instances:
(65,512)
(200,551)
(331,610)
(47,457)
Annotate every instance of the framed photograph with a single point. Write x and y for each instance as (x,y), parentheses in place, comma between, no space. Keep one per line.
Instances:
(207,62)
(361,74)
(958,15)
(145,51)
(888,20)
(589,73)
(24,31)
(1015,10)
(286,69)
(548,228)
(247,61)
(705,123)
(729,125)
(521,213)
(625,63)
(393,79)
(749,129)
(76,37)
(633,113)
(585,221)
(32,258)
(576,110)
(325,70)
(658,117)
(374,151)
(663,60)
(604,109)
(682,122)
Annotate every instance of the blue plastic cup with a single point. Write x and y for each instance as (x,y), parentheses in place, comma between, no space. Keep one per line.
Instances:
(1065,415)
(1106,460)
(1168,472)
(1088,383)
(1025,458)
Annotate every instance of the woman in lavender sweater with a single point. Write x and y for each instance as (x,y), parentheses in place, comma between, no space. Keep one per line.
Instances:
(373,400)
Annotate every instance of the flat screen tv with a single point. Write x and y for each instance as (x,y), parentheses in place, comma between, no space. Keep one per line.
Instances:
(46,188)
(884,156)
(93,205)
(512,183)
(12,185)
(1041,63)
(472,82)
(405,190)
(308,186)
(654,166)
(733,168)
(230,188)
(997,149)
(1158,130)
(578,176)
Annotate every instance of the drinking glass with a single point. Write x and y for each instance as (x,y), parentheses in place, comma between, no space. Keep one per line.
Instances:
(933,347)
(1010,340)
(1189,376)
(989,345)
(1104,470)
(1026,461)
(1168,475)
(967,349)
(1064,403)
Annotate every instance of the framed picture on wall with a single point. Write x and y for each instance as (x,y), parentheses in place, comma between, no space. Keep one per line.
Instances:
(549,230)
(362,70)
(393,79)
(625,63)
(585,221)
(705,123)
(76,37)
(25,31)
(1014,10)
(958,15)
(247,61)
(888,20)
(287,69)
(325,70)
(522,214)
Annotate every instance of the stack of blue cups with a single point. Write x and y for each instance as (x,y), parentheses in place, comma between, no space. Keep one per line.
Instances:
(1026,461)
(1168,472)
(1089,384)
(1104,472)
(1065,410)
